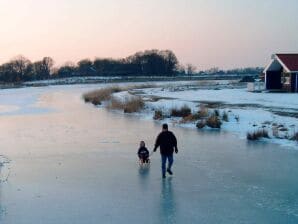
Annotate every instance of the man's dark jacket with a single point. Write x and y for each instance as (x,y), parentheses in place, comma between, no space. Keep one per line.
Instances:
(167,142)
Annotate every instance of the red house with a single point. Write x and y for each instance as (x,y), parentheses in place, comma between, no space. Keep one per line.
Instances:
(282,73)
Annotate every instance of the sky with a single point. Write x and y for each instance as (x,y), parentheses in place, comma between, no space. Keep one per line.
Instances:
(206,33)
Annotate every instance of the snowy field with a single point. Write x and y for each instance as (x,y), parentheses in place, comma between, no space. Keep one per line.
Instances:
(247,111)
(64,161)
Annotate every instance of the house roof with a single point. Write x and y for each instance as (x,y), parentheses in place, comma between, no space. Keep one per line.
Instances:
(289,61)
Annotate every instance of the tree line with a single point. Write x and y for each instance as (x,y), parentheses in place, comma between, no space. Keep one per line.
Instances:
(146,63)
(150,62)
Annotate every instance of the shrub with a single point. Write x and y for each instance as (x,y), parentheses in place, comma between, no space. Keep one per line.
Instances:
(295,137)
(213,121)
(225,116)
(158,115)
(134,104)
(129,105)
(203,112)
(115,104)
(94,100)
(237,118)
(256,135)
(201,124)
(264,133)
(275,131)
(97,96)
(190,118)
(182,112)
(216,113)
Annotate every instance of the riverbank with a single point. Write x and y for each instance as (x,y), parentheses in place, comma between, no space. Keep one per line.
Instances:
(121,79)
(238,111)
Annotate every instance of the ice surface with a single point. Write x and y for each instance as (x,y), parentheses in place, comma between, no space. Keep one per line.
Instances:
(77,164)
(21,103)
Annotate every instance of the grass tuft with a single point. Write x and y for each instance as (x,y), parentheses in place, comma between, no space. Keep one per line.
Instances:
(225,116)
(295,137)
(213,121)
(191,118)
(201,124)
(129,105)
(158,115)
(181,112)
(216,113)
(203,112)
(256,135)
(97,96)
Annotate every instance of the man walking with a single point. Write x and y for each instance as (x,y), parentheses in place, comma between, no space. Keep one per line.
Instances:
(167,142)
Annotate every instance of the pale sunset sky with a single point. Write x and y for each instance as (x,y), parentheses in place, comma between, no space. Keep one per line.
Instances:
(206,33)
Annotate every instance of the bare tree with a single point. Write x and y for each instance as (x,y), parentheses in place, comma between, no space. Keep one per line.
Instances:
(47,65)
(190,69)
(43,69)
(19,67)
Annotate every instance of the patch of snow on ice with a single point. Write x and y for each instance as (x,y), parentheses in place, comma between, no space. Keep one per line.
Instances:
(4,168)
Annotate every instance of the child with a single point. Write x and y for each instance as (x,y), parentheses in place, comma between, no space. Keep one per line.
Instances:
(143,153)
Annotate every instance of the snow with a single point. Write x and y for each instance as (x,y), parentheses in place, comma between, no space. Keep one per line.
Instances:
(251,120)
(123,95)
(4,168)
(253,109)
(231,96)
(167,105)
(72,80)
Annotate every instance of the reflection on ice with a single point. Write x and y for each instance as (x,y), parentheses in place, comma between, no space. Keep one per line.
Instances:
(144,171)
(167,202)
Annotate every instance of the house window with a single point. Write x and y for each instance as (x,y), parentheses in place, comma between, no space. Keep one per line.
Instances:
(286,78)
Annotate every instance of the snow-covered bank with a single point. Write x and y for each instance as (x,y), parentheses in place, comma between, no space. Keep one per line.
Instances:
(230,96)
(121,79)
(247,112)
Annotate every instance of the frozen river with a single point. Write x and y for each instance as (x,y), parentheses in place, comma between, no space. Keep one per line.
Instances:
(73,163)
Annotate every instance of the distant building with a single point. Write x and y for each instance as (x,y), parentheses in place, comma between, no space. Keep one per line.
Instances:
(282,73)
